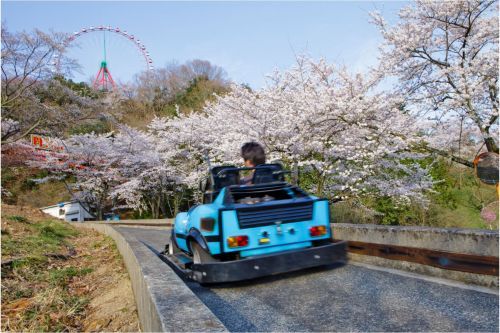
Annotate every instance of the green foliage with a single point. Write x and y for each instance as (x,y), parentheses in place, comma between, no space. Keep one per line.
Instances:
(62,277)
(394,214)
(18,218)
(30,261)
(28,185)
(26,192)
(7,175)
(44,237)
(350,212)
(194,97)
(446,194)
(55,231)
(308,180)
(147,214)
(41,174)
(11,183)
(81,88)
(457,202)
(98,127)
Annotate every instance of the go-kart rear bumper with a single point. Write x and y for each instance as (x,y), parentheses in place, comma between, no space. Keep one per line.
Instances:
(275,263)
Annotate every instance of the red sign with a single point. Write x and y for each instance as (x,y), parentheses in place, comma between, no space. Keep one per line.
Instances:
(46,143)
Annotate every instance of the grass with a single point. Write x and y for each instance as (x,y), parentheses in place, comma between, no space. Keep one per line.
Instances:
(469,196)
(61,277)
(43,237)
(58,278)
(18,218)
(35,294)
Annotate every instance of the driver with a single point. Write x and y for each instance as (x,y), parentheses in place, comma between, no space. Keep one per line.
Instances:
(253,154)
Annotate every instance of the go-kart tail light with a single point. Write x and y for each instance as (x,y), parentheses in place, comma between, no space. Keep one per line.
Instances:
(237,241)
(319,230)
(207,224)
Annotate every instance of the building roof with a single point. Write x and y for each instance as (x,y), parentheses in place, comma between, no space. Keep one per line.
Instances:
(57,205)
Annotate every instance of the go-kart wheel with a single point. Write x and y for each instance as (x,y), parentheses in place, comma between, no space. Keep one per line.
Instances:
(172,247)
(201,256)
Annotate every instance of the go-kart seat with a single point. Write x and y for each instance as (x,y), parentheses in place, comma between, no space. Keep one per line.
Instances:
(229,177)
(268,173)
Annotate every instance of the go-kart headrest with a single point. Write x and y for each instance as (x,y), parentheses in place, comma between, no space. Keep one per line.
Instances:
(268,173)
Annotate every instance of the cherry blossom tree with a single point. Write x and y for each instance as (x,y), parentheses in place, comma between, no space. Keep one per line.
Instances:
(356,140)
(34,96)
(14,154)
(445,57)
(29,93)
(148,182)
(118,170)
(9,128)
(89,159)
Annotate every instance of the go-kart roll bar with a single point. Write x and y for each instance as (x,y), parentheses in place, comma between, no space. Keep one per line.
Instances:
(223,171)
(209,167)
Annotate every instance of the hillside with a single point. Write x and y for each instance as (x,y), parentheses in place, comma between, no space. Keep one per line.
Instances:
(58,278)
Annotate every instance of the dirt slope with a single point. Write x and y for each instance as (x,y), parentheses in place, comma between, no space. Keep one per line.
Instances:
(59,278)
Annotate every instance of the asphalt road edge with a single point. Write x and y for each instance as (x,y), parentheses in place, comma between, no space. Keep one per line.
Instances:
(433,279)
(164,302)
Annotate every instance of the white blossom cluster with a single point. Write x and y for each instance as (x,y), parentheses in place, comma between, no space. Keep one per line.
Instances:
(9,128)
(355,141)
(445,57)
(355,138)
(316,115)
(123,167)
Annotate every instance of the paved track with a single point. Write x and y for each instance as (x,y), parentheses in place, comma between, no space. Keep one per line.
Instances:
(347,298)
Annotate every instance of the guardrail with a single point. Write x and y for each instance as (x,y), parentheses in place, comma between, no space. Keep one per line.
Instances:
(466,255)
(142,222)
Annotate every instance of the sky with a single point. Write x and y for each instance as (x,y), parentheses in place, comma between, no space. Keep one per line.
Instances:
(247,39)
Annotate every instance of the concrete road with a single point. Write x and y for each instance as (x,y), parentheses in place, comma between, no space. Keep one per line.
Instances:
(347,298)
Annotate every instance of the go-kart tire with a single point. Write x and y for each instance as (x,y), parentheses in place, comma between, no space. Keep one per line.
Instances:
(200,256)
(172,247)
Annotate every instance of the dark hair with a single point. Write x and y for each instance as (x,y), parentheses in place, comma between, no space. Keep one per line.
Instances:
(253,152)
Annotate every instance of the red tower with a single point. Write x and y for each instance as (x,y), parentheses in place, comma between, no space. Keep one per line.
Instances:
(104,80)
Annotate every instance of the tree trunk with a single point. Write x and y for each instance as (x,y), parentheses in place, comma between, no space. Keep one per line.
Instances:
(99,213)
(156,212)
(154,208)
(170,207)
(163,207)
(452,157)
(295,173)
(321,185)
(176,204)
(491,145)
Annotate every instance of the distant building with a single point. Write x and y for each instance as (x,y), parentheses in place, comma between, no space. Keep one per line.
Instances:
(71,211)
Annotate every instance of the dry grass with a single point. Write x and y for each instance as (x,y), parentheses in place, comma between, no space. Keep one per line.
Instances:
(24,192)
(58,278)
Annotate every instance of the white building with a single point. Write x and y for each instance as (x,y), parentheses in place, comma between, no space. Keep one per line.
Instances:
(71,211)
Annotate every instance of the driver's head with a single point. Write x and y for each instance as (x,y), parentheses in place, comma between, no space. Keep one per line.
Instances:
(253,154)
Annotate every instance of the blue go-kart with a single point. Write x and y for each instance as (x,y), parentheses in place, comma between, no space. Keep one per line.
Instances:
(243,232)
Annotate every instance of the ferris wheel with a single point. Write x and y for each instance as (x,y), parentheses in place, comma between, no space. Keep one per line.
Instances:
(106,34)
